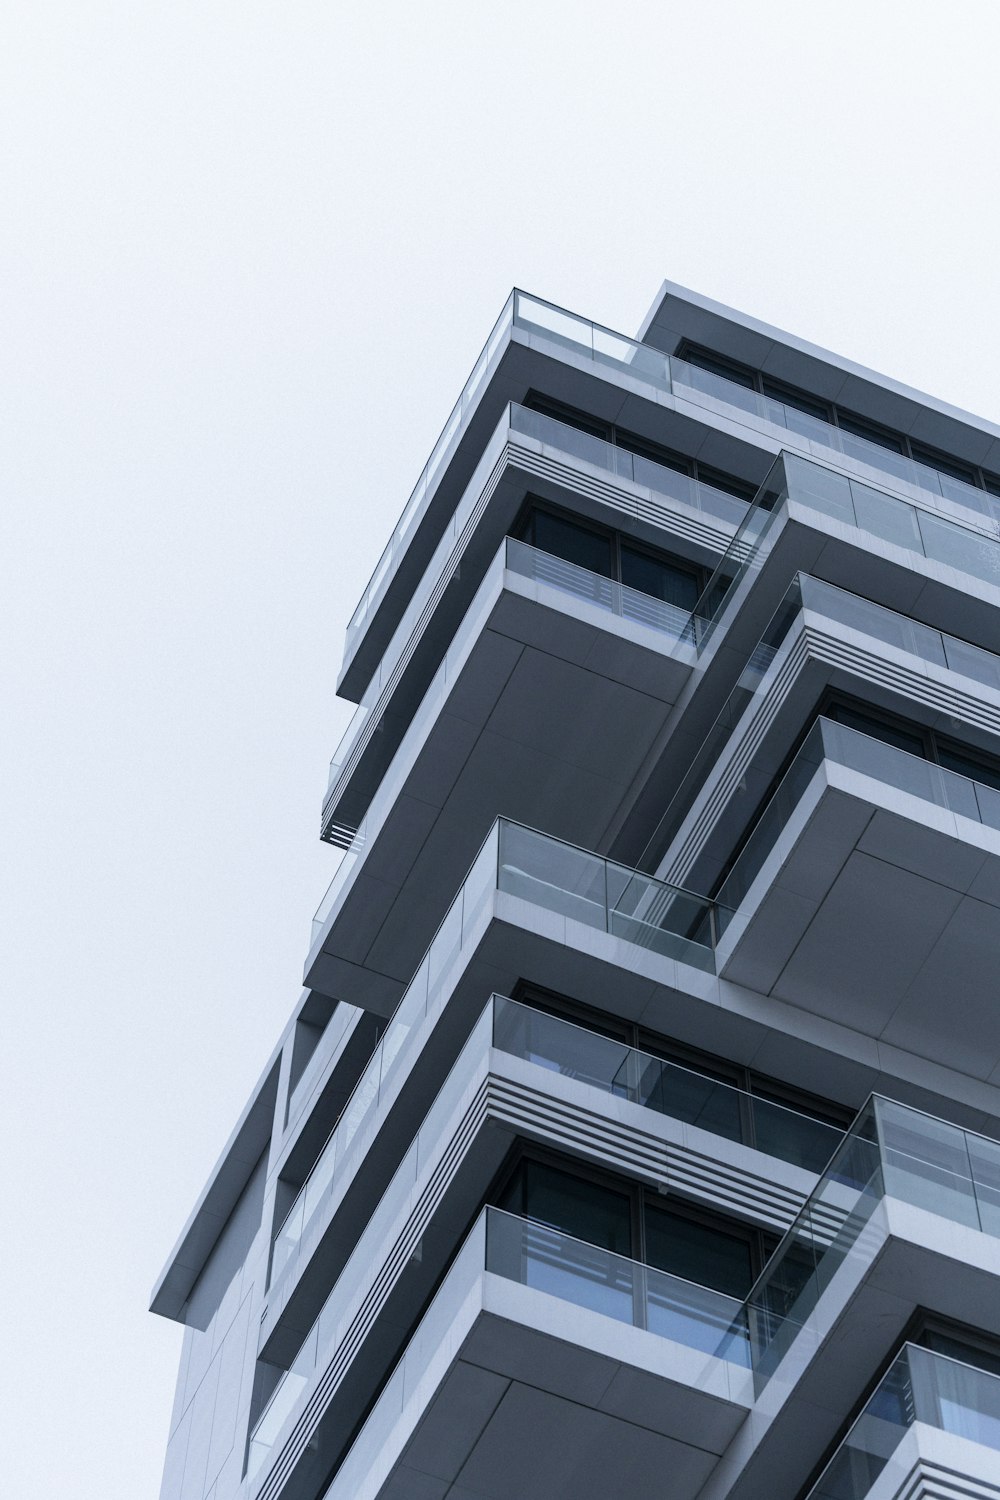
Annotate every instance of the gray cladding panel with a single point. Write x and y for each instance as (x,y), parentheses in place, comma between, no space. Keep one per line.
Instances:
(867,943)
(539,1446)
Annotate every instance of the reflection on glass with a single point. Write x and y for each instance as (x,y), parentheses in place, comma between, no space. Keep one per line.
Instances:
(890,1149)
(666,1087)
(589,1276)
(920,1386)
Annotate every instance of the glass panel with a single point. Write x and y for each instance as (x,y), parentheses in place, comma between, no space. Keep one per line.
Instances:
(972,661)
(660,578)
(958,548)
(694,1316)
(821,489)
(556,1044)
(926,1163)
(871,1442)
(663,918)
(892,520)
(583,1209)
(792,1136)
(874,728)
(559,537)
(691,1097)
(816,1245)
(698,1252)
(551,874)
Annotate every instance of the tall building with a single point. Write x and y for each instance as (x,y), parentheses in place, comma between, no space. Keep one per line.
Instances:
(637,1130)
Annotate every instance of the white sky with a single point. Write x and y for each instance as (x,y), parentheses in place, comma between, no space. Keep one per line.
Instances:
(248,253)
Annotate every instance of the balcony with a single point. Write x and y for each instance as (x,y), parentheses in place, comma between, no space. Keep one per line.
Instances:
(895,1440)
(559,1046)
(546,653)
(527,451)
(520,1073)
(871,880)
(905,1216)
(820,637)
(906,1213)
(583,363)
(547,1345)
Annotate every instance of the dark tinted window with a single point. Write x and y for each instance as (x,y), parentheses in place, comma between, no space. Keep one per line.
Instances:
(586,1210)
(704,359)
(943,463)
(647,449)
(790,397)
(958,1348)
(879,729)
(560,537)
(660,578)
(969,764)
(698,1251)
(741,488)
(860,428)
(567,414)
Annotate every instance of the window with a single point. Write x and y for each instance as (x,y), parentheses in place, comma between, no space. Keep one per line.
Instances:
(741,489)
(571,540)
(659,576)
(943,463)
(643,447)
(850,423)
(655,452)
(860,427)
(890,731)
(574,1205)
(630,1220)
(699,1249)
(718,364)
(608,553)
(691,1092)
(572,417)
(788,396)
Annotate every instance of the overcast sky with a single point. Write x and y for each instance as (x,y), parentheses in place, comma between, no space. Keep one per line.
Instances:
(248,254)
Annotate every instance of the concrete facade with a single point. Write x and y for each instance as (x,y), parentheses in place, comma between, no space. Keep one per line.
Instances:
(638,1126)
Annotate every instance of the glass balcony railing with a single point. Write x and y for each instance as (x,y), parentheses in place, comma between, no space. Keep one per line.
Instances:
(539,1256)
(571,1270)
(387,564)
(919,1386)
(852,503)
(603,347)
(863,753)
(893,629)
(587,888)
(607,594)
(890,1150)
(665,1087)
(665,486)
